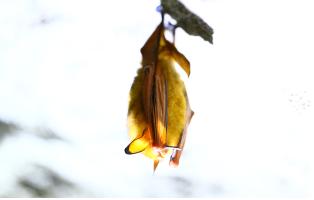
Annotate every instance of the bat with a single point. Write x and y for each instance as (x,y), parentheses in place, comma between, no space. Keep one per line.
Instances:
(159,112)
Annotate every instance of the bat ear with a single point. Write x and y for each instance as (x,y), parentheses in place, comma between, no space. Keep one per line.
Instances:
(139,144)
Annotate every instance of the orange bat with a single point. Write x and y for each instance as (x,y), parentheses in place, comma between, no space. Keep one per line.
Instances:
(159,111)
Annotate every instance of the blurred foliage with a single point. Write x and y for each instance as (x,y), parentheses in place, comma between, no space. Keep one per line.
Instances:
(183,186)
(6,129)
(44,182)
(46,133)
(41,181)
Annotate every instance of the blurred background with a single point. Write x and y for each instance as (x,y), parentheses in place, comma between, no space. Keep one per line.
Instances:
(66,68)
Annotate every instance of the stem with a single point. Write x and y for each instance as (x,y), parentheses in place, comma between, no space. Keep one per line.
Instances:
(187,20)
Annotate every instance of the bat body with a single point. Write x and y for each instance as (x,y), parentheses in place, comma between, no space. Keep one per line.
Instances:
(159,111)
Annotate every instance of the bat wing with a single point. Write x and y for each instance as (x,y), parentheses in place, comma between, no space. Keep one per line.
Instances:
(175,157)
(179,58)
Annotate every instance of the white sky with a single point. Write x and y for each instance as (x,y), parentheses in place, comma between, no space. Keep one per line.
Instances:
(252,93)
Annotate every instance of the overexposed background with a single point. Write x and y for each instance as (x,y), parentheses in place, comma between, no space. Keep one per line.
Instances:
(66,67)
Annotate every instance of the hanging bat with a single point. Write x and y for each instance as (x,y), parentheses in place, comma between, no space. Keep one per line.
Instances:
(159,112)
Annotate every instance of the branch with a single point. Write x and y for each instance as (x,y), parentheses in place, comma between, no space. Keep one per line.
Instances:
(187,20)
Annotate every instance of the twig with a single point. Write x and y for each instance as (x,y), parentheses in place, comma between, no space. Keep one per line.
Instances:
(187,20)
